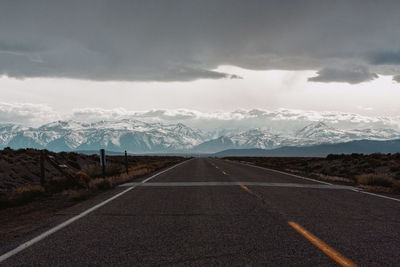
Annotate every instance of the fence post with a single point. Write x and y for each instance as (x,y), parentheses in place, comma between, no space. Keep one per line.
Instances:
(103,161)
(42,169)
(126,162)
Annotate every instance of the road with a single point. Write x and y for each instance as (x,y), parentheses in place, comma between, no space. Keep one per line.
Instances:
(217,212)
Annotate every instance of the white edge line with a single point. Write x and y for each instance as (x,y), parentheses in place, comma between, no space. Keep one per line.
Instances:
(382,196)
(352,189)
(281,172)
(75,218)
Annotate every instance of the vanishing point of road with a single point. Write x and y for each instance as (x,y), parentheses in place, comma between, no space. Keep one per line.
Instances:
(217,212)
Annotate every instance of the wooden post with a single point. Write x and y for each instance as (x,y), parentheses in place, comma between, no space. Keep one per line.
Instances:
(42,169)
(126,162)
(103,161)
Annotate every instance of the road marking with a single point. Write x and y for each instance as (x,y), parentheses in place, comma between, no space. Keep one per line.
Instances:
(75,218)
(355,189)
(333,254)
(216,183)
(377,195)
(245,188)
(281,172)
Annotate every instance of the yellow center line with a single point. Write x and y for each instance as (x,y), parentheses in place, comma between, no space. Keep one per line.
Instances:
(333,254)
(245,188)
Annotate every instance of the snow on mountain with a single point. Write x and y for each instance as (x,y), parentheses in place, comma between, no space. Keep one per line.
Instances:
(319,132)
(312,134)
(6,132)
(138,136)
(254,138)
(131,135)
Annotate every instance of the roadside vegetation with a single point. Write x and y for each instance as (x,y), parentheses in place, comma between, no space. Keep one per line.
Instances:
(25,204)
(375,172)
(20,175)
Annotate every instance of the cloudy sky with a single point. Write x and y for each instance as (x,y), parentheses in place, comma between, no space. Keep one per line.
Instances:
(85,59)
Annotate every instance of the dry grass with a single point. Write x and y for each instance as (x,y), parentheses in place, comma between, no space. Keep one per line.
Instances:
(79,195)
(103,184)
(368,171)
(95,170)
(100,184)
(373,179)
(22,195)
(396,185)
(81,178)
(20,173)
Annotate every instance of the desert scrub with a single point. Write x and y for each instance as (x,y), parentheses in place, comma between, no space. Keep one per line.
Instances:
(82,179)
(61,183)
(79,195)
(375,179)
(21,195)
(100,184)
(396,185)
(95,170)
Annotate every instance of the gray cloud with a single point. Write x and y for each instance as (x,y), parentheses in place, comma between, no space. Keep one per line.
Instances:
(353,76)
(396,78)
(186,40)
(385,58)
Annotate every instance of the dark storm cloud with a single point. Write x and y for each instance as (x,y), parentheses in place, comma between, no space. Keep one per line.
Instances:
(352,76)
(185,40)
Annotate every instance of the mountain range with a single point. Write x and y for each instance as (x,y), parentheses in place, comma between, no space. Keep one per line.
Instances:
(143,137)
(322,150)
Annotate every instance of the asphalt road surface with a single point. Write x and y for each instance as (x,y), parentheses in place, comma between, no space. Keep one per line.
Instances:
(217,212)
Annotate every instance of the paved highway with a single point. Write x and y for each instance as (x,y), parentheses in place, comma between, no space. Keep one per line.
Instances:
(216,212)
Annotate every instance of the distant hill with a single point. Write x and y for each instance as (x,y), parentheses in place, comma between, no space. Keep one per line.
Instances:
(362,146)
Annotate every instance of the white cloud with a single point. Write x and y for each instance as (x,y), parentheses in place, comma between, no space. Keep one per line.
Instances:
(25,113)
(278,120)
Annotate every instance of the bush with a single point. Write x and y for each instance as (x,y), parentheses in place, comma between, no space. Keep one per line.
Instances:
(375,179)
(82,179)
(58,184)
(74,164)
(95,170)
(21,195)
(100,184)
(61,183)
(335,156)
(79,195)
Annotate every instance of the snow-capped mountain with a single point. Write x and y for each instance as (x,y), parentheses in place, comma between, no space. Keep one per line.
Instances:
(138,136)
(131,135)
(319,132)
(313,134)
(254,138)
